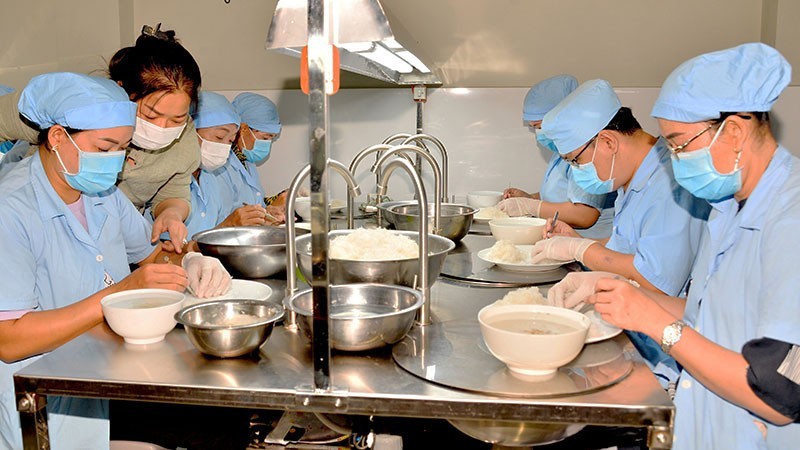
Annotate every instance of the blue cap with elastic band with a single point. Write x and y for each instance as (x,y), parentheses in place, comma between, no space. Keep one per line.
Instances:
(545,95)
(214,110)
(258,112)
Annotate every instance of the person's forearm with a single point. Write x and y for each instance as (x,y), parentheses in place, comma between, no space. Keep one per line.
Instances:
(600,258)
(720,370)
(576,215)
(172,205)
(42,331)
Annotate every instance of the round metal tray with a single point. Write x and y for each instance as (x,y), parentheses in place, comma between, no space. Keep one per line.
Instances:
(463,265)
(453,354)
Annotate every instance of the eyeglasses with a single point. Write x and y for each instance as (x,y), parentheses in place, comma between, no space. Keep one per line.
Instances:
(682,147)
(574,161)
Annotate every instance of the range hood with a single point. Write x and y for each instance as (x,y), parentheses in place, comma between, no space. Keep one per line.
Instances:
(360,31)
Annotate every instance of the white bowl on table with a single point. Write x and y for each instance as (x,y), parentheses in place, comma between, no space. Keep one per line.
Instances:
(302,207)
(518,230)
(240,290)
(142,316)
(533,340)
(483,199)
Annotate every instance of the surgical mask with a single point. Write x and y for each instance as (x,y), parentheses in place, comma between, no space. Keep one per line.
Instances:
(695,171)
(260,150)
(97,171)
(544,142)
(148,136)
(213,155)
(585,176)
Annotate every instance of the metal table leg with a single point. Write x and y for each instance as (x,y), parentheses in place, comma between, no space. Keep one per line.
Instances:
(33,420)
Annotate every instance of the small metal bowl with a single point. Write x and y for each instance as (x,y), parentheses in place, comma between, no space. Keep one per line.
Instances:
(362,316)
(248,252)
(398,271)
(454,222)
(229,328)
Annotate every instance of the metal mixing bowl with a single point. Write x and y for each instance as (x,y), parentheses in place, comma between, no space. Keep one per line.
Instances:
(216,328)
(363,316)
(399,271)
(511,433)
(248,252)
(454,221)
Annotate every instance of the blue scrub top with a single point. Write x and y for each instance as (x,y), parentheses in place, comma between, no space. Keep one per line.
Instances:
(207,209)
(57,262)
(744,286)
(239,183)
(558,186)
(658,222)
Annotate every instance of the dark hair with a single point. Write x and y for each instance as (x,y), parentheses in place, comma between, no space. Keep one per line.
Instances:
(158,62)
(762,117)
(624,122)
(42,138)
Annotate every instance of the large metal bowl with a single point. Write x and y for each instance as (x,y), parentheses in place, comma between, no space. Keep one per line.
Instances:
(362,316)
(454,221)
(400,271)
(216,328)
(248,252)
(509,433)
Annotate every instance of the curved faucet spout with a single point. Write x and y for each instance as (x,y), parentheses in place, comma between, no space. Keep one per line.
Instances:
(424,317)
(437,177)
(354,164)
(420,140)
(291,194)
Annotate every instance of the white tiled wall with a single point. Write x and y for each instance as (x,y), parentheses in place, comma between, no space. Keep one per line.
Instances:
(482,129)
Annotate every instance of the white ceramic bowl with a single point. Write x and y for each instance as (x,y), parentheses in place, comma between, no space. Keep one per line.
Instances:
(508,333)
(518,230)
(484,199)
(240,290)
(142,316)
(302,207)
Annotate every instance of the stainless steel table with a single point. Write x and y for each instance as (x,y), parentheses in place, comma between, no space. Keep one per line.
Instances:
(99,364)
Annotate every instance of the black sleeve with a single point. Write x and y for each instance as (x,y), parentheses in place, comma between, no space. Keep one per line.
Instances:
(777,390)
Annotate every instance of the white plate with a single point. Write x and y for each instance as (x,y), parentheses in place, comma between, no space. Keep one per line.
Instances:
(336,205)
(522,267)
(600,330)
(475,217)
(240,289)
(299,225)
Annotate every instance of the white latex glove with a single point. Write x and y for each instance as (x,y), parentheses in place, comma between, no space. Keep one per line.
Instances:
(572,291)
(560,248)
(207,277)
(520,206)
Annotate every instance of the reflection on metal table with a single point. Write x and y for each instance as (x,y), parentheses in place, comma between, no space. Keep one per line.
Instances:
(99,364)
(463,265)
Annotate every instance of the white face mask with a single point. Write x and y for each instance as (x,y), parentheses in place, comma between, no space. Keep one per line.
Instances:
(148,136)
(213,155)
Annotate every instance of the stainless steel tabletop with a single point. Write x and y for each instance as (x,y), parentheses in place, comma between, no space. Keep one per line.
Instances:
(99,364)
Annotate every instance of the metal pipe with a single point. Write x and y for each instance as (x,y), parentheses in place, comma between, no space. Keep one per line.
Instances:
(424,317)
(419,139)
(418,160)
(318,45)
(291,250)
(353,164)
(437,180)
(388,140)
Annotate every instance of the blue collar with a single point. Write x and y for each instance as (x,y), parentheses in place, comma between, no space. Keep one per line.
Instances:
(754,213)
(649,166)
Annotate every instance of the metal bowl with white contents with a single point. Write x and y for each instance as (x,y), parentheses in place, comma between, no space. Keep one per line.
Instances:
(247,252)
(454,222)
(394,271)
(229,328)
(363,316)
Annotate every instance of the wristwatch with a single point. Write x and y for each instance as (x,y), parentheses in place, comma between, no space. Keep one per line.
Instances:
(671,335)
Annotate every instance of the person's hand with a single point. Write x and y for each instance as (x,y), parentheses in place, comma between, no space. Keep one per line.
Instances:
(247,215)
(277,214)
(621,303)
(155,276)
(170,222)
(561,229)
(514,192)
(573,290)
(560,248)
(520,206)
(207,276)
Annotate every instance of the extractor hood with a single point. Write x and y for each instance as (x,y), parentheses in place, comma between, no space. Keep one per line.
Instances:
(361,32)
